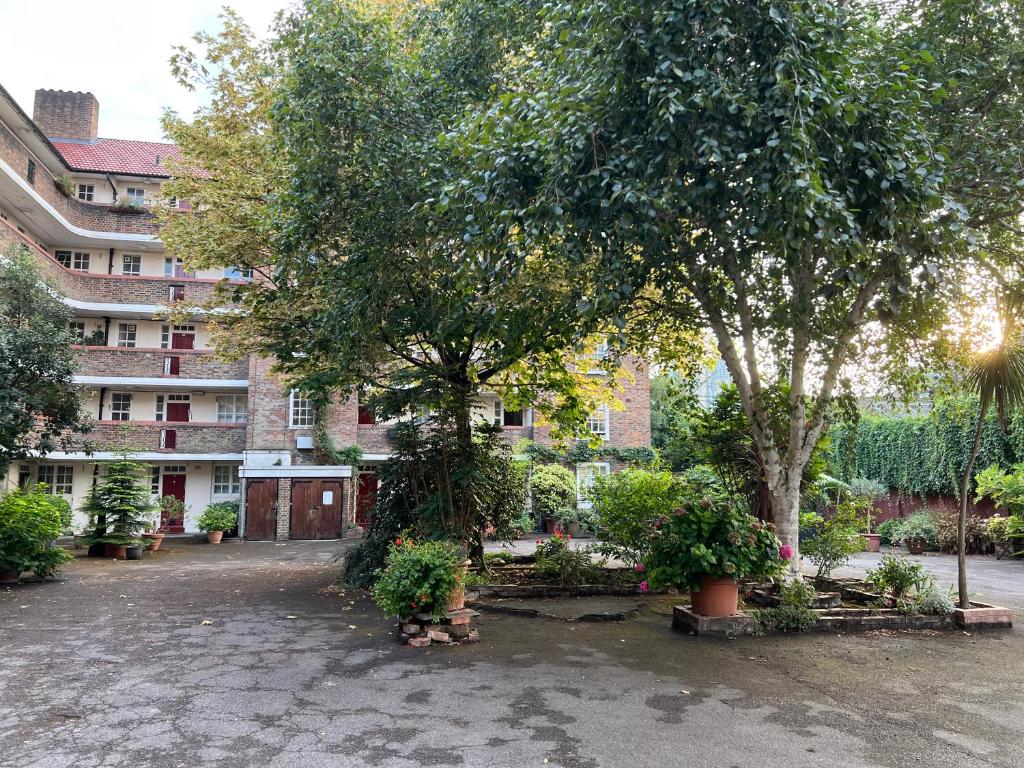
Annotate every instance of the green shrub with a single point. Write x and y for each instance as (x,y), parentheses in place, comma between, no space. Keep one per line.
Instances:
(918,526)
(793,614)
(887,532)
(30,520)
(626,506)
(946,522)
(998,527)
(172,510)
(1005,488)
(555,557)
(553,489)
(898,576)
(418,578)
(713,538)
(933,601)
(832,543)
(865,488)
(221,516)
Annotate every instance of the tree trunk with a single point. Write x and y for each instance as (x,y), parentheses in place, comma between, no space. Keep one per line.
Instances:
(786,511)
(961,524)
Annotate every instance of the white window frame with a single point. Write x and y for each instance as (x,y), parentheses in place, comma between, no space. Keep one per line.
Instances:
(593,420)
(86,192)
(80,261)
(585,479)
(135,196)
(233,482)
(59,478)
(77,330)
(300,411)
(232,409)
(123,410)
(131,264)
(127,335)
(238,273)
(154,480)
(165,337)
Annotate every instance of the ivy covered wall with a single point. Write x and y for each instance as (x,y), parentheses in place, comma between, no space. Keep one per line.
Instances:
(922,455)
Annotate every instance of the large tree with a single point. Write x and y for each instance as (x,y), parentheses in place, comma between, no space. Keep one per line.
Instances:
(779,171)
(40,407)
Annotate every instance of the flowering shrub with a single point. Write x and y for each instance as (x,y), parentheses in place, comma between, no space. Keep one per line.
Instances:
(716,539)
(418,578)
(555,557)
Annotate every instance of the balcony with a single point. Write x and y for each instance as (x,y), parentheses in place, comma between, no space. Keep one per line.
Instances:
(373,438)
(165,436)
(153,363)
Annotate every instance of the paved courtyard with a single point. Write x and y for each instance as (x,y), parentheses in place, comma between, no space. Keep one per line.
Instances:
(248,655)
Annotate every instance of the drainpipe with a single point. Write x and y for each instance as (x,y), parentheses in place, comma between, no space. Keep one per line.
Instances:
(110,263)
(113,189)
(106,331)
(103,395)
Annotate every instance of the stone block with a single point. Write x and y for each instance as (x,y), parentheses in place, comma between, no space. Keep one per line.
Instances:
(473,637)
(418,642)
(984,616)
(461,616)
(411,629)
(725,626)
(458,631)
(438,636)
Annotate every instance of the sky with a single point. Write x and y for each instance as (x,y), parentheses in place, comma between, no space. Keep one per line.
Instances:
(117,50)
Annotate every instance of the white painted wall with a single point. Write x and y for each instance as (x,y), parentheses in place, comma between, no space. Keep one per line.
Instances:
(204,408)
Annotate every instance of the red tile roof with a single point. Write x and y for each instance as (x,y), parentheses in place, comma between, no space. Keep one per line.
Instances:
(134,158)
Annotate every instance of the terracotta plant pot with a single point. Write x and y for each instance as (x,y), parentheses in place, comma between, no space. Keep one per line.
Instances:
(9,575)
(214,537)
(914,546)
(154,541)
(113,550)
(458,599)
(872,542)
(716,597)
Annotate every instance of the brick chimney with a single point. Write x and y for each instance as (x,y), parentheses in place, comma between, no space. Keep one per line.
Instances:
(66,114)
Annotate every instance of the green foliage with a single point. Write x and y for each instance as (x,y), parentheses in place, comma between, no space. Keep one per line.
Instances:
(932,601)
(40,406)
(887,532)
(919,526)
(998,527)
(832,543)
(220,516)
(557,558)
(172,509)
(118,506)
(582,452)
(627,504)
(793,614)
(923,455)
(30,520)
(898,576)
(865,488)
(1004,487)
(437,488)
(65,184)
(712,538)
(418,577)
(553,490)
(671,432)
(946,526)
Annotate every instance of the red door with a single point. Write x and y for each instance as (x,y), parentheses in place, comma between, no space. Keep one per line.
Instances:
(366,497)
(183,341)
(173,485)
(178,411)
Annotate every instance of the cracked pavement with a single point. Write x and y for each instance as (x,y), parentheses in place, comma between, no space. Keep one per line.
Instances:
(249,655)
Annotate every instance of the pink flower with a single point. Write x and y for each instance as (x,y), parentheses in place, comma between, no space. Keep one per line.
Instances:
(785,551)
(657,524)
(644,587)
(639,567)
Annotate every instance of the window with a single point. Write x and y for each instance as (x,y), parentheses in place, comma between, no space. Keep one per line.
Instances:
(176,293)
(154,480)
(504,418)
(172,366)
(586,476)
(86,192)
(238,273)
(232,409)
(131,265)
(225,480)
(31,172)
(58,479)
(73,260)
(185,329)
(24,475)
(300,411)
(366,415)
(171,202)
(126,334)
(77,331)
(135,195)
(597,422)
(120,406)
(158,412)
(165,336)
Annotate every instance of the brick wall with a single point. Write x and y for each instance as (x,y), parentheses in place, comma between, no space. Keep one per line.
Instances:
(284,508)
(78,212)
(194,437)
(66,114)
(195,364)
(268,409)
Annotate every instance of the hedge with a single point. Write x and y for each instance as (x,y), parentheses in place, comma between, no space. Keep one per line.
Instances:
(923,454)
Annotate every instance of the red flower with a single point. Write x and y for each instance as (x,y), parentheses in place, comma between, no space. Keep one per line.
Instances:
(639,567)
(785,551)
(398,542)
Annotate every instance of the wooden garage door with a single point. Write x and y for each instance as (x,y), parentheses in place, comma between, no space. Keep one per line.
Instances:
(316,509)
(261,510)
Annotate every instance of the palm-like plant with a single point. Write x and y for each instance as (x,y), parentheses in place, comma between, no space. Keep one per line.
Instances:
(997,377)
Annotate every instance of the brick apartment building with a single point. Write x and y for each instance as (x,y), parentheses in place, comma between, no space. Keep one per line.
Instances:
(209,429)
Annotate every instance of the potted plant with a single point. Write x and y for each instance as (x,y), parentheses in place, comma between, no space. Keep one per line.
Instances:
(153,537)
(30,520)
(425,578)
(917,532)
(577,521)
(133,551)
(172,512)
(217,518)
(121,500)
(707,547)
(553,491)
